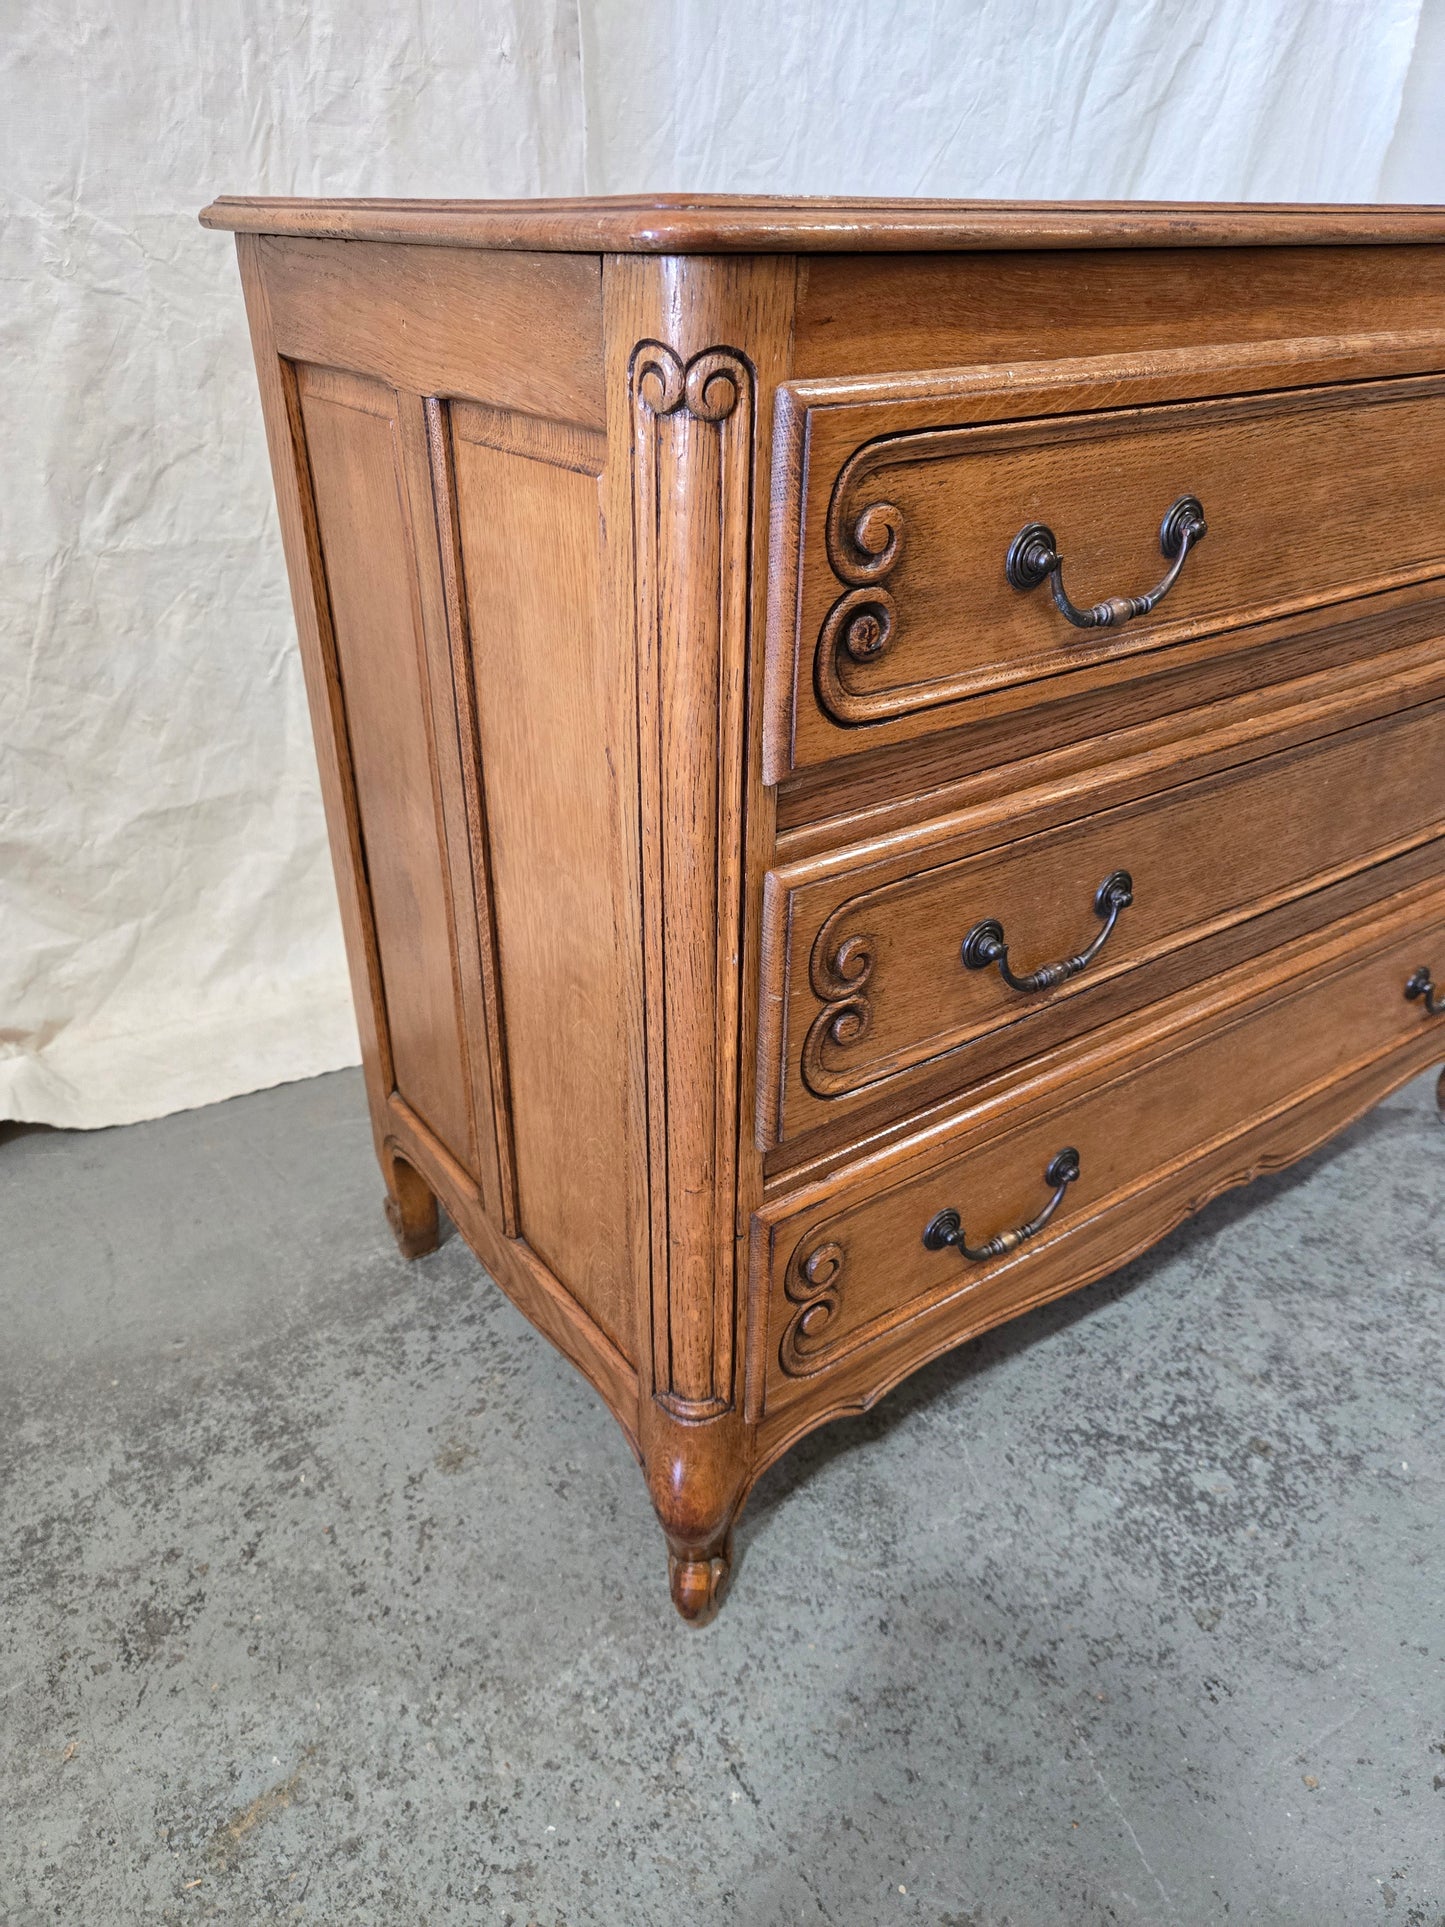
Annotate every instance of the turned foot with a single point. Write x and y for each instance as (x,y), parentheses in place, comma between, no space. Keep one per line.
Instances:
(411,1209)
(697,1475)
(1440,1097)
(698,1581)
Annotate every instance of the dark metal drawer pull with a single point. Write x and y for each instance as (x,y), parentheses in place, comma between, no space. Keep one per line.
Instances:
(1033,557)
(1421,985)
(985,943)
(947,1228)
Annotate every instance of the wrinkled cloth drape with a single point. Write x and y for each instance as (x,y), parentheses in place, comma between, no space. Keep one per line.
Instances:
(168,926)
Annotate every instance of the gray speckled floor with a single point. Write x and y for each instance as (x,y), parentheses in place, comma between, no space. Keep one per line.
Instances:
(330,1594)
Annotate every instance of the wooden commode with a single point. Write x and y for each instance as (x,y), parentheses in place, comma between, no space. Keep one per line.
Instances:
(877,754)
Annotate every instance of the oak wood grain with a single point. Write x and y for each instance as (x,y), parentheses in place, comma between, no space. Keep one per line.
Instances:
(876,1120)
(1139,1122)
(531,1285)
(1269,667)
(1100,1245)
(687,351)
(368,554)
(427,438)
(569,494)
(889,605)
(868,975)
(543,685)
(285,441)
(862,314)
(719,223)
(450,322)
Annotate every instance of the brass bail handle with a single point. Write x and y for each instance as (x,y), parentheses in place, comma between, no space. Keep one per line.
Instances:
(986,943)
(946,1230)
(1033,557)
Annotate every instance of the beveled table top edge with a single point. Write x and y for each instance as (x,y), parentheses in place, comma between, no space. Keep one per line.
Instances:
(730,224)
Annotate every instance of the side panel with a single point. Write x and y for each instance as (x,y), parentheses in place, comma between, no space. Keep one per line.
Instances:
(449,619)
(519,330)
(550,699)
(369,560)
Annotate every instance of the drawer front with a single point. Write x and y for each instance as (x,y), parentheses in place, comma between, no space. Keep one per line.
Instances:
(897,509)
(890,975)
(853,1271)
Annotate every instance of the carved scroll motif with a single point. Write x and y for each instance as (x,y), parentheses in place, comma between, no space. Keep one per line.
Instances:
(814,1285)
(710,385)
(840,974)
(863,549)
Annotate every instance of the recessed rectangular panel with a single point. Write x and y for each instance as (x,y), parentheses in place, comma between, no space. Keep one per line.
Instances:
(878,1002)
(906,598)
(369,561)
(551,704)
(849,1275)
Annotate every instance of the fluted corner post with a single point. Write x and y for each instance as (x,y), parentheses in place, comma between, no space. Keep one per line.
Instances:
(693,348)
(683,356)
(692,478)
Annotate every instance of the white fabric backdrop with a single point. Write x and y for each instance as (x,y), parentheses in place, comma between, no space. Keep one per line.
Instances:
(168,928)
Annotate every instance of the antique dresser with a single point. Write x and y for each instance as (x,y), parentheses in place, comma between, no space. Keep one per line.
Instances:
(877,754)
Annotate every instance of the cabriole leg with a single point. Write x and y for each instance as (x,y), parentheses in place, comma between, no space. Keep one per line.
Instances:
(696,1475)
(411,1209)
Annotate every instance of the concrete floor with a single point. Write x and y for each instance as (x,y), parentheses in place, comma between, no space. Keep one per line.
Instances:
(329,1593)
